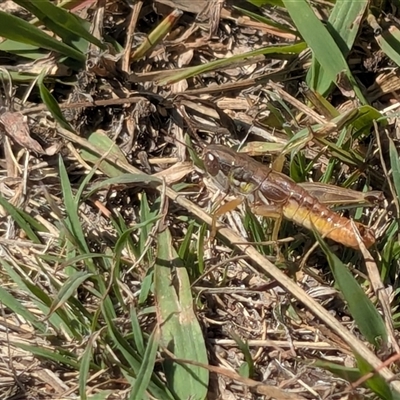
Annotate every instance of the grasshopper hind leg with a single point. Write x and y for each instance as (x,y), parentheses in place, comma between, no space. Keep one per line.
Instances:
(274,212)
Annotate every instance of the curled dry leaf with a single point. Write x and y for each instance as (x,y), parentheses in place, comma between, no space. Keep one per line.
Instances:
(14,125)
(176,172)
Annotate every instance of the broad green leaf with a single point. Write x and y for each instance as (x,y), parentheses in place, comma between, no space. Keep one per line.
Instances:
(389,41)
(180,330)
(106,146)
(323,47)
(376,383)
(343,25)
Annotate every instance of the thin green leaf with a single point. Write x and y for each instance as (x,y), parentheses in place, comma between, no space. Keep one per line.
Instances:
(244,347)
(52,104)
(23,50)
(64,24)
(260,3)
(13,304)
(84,368)
(18,218)
(227,62)
(366,316)
(68,289)
(395,164)
(266,21)
(125,179)
(376,383)
(136,331)
(71,209)
(21,31)
(147,367)
(157,35)
(343,25)
(103,395)
(156,387)
(51,355)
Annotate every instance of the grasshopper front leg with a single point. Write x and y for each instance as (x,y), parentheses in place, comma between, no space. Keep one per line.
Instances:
(221,210)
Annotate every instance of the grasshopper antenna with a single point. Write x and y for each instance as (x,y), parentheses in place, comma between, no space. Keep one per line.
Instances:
(192,129)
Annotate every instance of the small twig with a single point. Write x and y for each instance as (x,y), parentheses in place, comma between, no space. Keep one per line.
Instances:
(85,104)
(133,19)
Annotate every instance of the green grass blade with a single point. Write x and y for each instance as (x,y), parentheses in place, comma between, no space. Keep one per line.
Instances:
(260,3)
(147,367)
(323,46)
(343,23)
(125,179)
(71,208)
(19,30)
(266,21)
(20,220)
(64,24)
(107,146)
(389,41)
(343,26)
(136,332)
(377,384)
(156,387)
(23,50)
(200,249)
(85,366)
(68,360)
(227,62)
(52,104)
(185,248)
(68,289)
(41,300)
(395,165)
(244,347)
(13,304)
(180,330)
(157,35)
(365,314)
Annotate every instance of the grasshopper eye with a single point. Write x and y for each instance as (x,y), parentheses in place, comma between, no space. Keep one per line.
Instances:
(211,164)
